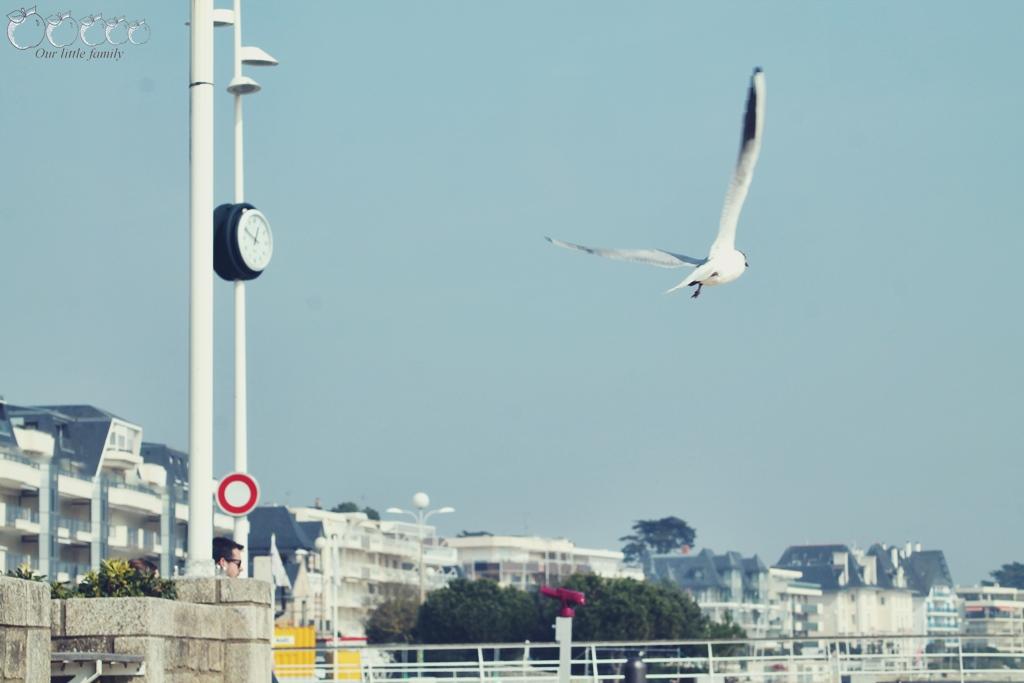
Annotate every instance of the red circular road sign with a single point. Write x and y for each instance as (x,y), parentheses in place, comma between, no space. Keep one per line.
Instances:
(237,494)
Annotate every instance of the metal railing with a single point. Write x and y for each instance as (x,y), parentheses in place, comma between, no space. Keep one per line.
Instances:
(16,512)
(6,454)
(74,525)
(876,659)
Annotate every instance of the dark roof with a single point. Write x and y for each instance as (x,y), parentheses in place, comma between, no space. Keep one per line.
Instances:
(7,440)
(705,569)
(817,562)
(175,462)
(79,432)
(926,569)
(288,534)
(313,530)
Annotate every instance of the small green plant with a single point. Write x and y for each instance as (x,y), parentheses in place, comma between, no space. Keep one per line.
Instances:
(118,579)
(25,572)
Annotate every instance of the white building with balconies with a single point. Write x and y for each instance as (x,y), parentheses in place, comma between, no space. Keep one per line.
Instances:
(527,562)
(358,563)
(77,485)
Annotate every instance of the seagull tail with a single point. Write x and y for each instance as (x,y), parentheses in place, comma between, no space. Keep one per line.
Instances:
(685,283)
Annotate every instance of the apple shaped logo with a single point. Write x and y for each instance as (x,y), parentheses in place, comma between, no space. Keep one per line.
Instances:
(25,29)
(61,29)
(117,31)
(138,32)
(92,30)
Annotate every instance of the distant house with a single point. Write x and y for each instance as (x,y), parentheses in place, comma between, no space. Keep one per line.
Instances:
(301,603)
(526,562)
(342,564)
(926,574)
(862,593)
(764,601)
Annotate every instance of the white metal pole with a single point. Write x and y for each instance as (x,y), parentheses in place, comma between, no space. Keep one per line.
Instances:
(241,535)
(200,433)
(563,636)
(335,578)
(422,533)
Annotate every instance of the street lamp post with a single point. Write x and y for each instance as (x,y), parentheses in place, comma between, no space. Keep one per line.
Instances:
(242,85)
(420,501)
(200,356)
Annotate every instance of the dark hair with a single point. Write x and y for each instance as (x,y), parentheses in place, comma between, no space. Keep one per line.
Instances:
(222,548)
(142,565)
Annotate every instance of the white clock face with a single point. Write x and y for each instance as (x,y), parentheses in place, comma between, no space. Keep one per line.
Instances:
(255,243)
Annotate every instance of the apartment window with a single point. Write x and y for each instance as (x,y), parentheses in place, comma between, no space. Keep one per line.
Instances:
(113,440)
(882,599)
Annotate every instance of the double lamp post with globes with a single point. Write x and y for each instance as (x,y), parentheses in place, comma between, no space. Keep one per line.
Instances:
(420,501)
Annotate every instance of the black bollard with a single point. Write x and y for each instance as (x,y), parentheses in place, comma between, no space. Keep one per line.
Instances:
(635,671)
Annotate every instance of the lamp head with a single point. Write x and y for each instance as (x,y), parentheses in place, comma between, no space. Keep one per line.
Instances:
(243,85)
(254,56)
(394,511)
(420,501)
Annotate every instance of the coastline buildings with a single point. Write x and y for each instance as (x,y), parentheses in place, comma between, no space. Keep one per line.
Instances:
(766,602)
(887,590)
(994,615)
(358,563)
(78,484)
(528,562)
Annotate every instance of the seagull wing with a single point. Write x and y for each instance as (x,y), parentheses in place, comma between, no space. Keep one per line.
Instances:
(654,257)
(750,147)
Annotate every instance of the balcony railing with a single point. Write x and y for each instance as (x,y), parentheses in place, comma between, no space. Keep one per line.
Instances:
(18,457)
(16,512)
(74,525)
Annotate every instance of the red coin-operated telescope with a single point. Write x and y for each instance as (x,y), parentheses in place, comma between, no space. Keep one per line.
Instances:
(569,598)
(563,626)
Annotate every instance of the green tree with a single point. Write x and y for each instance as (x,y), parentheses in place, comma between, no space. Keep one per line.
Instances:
(657,536)
(393,620)
(476,612)
(349,506)
(1010,575)
(627,609)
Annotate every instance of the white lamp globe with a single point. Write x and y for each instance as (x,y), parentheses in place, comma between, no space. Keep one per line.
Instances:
(420,500)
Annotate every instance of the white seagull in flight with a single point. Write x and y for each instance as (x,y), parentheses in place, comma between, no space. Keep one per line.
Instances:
(724,263)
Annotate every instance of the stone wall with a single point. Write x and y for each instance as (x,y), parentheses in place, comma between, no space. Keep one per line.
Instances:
(24,631)
(218,630)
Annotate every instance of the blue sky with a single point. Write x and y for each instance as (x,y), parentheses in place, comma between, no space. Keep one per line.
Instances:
(860,383)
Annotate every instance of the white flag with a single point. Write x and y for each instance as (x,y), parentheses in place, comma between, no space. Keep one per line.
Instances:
(277,566)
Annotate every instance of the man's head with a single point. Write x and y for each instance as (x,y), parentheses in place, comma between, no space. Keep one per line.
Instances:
(228,556)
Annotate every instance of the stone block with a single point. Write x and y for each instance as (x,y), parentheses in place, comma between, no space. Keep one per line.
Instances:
(248,661)
(37,663)
(247,622)
(57,618)
(197,621)
(119,617)
(153,651)
(215,656)
(15,653)
(21,602)
(203,591)
(82,644)
(248,591)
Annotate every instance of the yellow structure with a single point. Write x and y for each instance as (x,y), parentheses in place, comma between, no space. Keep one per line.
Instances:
(301,662)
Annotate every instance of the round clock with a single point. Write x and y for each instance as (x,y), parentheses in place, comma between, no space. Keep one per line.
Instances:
(243,242)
